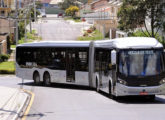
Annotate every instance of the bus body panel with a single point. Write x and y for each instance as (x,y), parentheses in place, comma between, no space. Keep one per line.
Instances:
(81,78)
(56,74)
(122,90)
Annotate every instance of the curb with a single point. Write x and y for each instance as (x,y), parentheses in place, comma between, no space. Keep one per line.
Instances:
(27,108)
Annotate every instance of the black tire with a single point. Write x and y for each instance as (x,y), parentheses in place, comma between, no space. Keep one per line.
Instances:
(47,80)
(97,85)
(151,97)
(36,78)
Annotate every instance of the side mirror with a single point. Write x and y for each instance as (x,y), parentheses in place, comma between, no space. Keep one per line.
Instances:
(113,57)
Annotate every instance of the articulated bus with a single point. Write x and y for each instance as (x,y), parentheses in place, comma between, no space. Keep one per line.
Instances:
(120,67)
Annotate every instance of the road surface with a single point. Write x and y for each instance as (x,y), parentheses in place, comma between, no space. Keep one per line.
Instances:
(58,29)
(61,102)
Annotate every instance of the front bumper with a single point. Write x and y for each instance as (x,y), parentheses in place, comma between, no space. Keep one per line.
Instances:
(122,90)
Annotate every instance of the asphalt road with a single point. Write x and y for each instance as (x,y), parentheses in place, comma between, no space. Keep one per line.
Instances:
(63,102)
(58,29)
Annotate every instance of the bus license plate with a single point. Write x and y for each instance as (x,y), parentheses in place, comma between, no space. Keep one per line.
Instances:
(143,93)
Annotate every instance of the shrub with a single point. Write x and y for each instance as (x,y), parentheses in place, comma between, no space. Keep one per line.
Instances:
(71,11)
(7,71)
(4,58)
(93,28)
(89,31)
(76,18)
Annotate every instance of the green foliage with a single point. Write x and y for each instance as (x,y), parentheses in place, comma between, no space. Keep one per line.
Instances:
(21,29)
(32,14)
(7,68)
(146,34)
(30,37)
(4,57)
(21,24)
(133,13)
(39,5)
(75,19)
(67,3)
(71,11)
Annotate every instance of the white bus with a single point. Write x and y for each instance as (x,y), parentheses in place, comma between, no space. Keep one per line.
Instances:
(120,67)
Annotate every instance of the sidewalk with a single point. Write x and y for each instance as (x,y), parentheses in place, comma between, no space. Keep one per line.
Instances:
(12,56)
(12,102)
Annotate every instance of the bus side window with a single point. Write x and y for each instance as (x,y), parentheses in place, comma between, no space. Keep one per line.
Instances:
(57,59)
(82,61)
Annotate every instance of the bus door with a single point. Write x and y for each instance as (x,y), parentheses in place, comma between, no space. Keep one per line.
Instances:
(70,66)
(100,68)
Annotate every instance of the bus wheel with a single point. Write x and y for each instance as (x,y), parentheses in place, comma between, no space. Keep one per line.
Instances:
(36,78)
(97,85)
(46,79)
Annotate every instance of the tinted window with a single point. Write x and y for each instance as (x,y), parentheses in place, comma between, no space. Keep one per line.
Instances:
(52,58)
(102,60)
(82,59)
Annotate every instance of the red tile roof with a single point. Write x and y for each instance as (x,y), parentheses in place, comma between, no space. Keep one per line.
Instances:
(45,1)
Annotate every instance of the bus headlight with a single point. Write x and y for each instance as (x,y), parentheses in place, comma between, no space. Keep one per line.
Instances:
(122,81)
(162,81)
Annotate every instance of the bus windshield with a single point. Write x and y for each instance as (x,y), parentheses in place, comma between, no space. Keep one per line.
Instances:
(141,62)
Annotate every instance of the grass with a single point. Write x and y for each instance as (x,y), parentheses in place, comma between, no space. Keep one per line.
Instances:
(77,20)
(7,67)
(13,46)
(96,35)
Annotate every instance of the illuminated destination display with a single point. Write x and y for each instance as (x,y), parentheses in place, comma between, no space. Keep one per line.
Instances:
(149,52)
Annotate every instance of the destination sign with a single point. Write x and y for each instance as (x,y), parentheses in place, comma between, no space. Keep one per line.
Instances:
(148,52)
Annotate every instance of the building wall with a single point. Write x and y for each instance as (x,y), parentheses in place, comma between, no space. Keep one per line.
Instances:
(110,22)
(105,25)
(7,26)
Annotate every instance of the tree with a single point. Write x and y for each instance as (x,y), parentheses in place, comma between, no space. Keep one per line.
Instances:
(39,5)
(71,11)
(133,14)
(21,24)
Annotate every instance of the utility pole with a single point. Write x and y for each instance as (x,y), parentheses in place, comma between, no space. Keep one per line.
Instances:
(34,3)
(16,22)
(30,21)
(25,27)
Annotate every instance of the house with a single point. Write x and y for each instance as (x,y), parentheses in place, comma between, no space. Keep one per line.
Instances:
(46,3)
(54,3)
(105,16)
(98,5)
(6,25)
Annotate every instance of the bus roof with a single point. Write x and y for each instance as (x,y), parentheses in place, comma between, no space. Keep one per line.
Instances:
(119,43)
(56,44)
(130,42)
